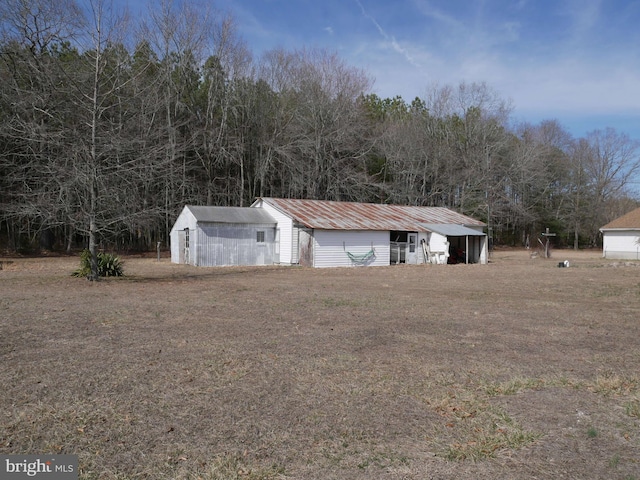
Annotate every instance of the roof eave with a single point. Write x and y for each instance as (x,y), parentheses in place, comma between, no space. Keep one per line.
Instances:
(620,229)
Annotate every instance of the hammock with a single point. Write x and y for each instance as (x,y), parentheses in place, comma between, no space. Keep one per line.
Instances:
(361,259)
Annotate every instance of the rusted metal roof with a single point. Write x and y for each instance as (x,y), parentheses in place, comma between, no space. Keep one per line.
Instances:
(629,221)
(330,215)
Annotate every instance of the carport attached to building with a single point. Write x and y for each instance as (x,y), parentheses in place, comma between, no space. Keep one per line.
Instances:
(466,245)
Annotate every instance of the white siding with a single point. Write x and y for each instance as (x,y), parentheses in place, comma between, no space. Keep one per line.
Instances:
(175,246)
(288,248)
(484,248)
(331,247)
(621,244)
(439,244)
(184,220)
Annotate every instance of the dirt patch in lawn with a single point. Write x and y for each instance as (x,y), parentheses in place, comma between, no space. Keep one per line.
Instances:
(518,369)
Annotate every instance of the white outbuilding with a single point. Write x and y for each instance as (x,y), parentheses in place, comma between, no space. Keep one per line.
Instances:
(322,233)
(621,237)
(223,236)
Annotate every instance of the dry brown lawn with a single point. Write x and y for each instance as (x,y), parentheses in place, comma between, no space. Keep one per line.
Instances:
(513,370)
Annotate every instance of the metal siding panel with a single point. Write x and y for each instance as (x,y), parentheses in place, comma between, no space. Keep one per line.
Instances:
(194,238)
(331,247)
(227,245)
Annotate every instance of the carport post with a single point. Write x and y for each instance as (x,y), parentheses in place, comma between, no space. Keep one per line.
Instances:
(466,250)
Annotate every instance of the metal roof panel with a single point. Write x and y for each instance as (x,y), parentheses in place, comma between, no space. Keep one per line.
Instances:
(230,215)
(451,230)
(332,215)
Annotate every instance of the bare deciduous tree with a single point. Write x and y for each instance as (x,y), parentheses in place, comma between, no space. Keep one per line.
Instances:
(611,160)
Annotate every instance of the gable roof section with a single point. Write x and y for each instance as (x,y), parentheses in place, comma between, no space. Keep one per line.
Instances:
(331,215)
(630,221)
(230,215)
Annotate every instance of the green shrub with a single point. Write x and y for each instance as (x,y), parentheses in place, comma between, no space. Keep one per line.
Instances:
(108,265)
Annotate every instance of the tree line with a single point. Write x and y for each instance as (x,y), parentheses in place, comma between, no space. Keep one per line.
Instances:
(109,127)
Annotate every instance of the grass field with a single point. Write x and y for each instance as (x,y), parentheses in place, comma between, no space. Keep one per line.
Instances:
(513,370)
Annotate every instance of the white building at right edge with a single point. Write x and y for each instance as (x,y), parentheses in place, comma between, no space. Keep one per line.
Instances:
(621,237)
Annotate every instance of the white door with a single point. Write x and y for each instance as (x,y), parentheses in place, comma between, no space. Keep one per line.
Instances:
(412,248)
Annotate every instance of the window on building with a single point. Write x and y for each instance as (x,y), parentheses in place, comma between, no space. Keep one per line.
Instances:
(260,237)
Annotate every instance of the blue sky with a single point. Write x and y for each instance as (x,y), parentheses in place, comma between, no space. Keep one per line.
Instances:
(576,61)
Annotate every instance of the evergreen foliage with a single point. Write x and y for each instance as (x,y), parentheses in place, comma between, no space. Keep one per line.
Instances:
(109,265)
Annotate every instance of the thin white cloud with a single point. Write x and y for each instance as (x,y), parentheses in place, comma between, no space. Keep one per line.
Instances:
(557,60)
(390,39)
(428,10)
